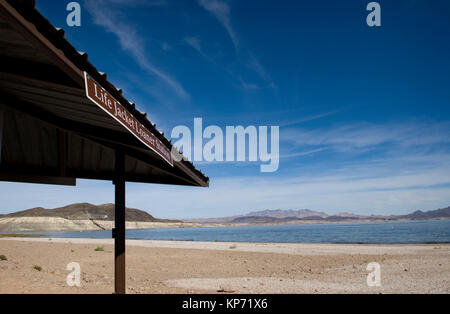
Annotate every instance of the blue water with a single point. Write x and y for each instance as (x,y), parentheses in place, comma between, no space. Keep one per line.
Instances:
(411,232)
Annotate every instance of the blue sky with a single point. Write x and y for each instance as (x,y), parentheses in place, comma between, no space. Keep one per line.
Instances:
(364,113)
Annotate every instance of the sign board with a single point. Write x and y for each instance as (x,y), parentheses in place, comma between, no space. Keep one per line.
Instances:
(105,101)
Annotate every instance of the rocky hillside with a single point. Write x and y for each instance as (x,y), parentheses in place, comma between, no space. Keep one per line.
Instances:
(432,214)
(283,216)
(86,211)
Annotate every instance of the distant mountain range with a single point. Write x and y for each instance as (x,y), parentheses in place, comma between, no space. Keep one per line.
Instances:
(306,215)
(87,211)
(105,212)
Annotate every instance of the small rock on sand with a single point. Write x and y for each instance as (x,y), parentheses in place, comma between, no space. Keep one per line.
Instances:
(226,289)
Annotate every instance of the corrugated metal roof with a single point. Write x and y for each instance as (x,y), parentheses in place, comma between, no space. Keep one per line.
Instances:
(27,8)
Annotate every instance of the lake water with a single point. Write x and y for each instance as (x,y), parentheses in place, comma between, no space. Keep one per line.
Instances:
(411,232)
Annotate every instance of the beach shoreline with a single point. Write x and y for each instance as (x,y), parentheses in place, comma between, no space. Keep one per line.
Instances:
(173,267)
(58,224)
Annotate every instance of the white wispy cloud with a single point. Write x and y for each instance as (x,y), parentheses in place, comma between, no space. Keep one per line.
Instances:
(308,118)
(254,64)
(302,153)
(394,182)
(378,188)
(221,11)
(389,187)
(248,86)
(194,42)
(109,17)
(411,173)
(366,135)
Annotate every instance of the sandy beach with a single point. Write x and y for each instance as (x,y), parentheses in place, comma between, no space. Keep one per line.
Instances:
(37,265)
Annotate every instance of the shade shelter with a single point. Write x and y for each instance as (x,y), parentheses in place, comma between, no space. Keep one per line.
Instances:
(61,119)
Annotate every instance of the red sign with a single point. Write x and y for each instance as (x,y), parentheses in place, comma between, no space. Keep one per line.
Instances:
(105,101)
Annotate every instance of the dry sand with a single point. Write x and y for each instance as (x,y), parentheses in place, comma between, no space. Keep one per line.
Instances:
(197,267)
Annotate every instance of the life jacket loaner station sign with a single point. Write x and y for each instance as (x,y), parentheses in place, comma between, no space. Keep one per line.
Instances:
(99,96)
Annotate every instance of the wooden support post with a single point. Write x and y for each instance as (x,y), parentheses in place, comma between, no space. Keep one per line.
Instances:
(1,135)
(119,231)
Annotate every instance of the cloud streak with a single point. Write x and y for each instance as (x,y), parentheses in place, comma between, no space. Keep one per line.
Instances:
(309,118)
(351,137)
(107,17)
(378,188)
(221,11)
(391,182)
(194,42)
